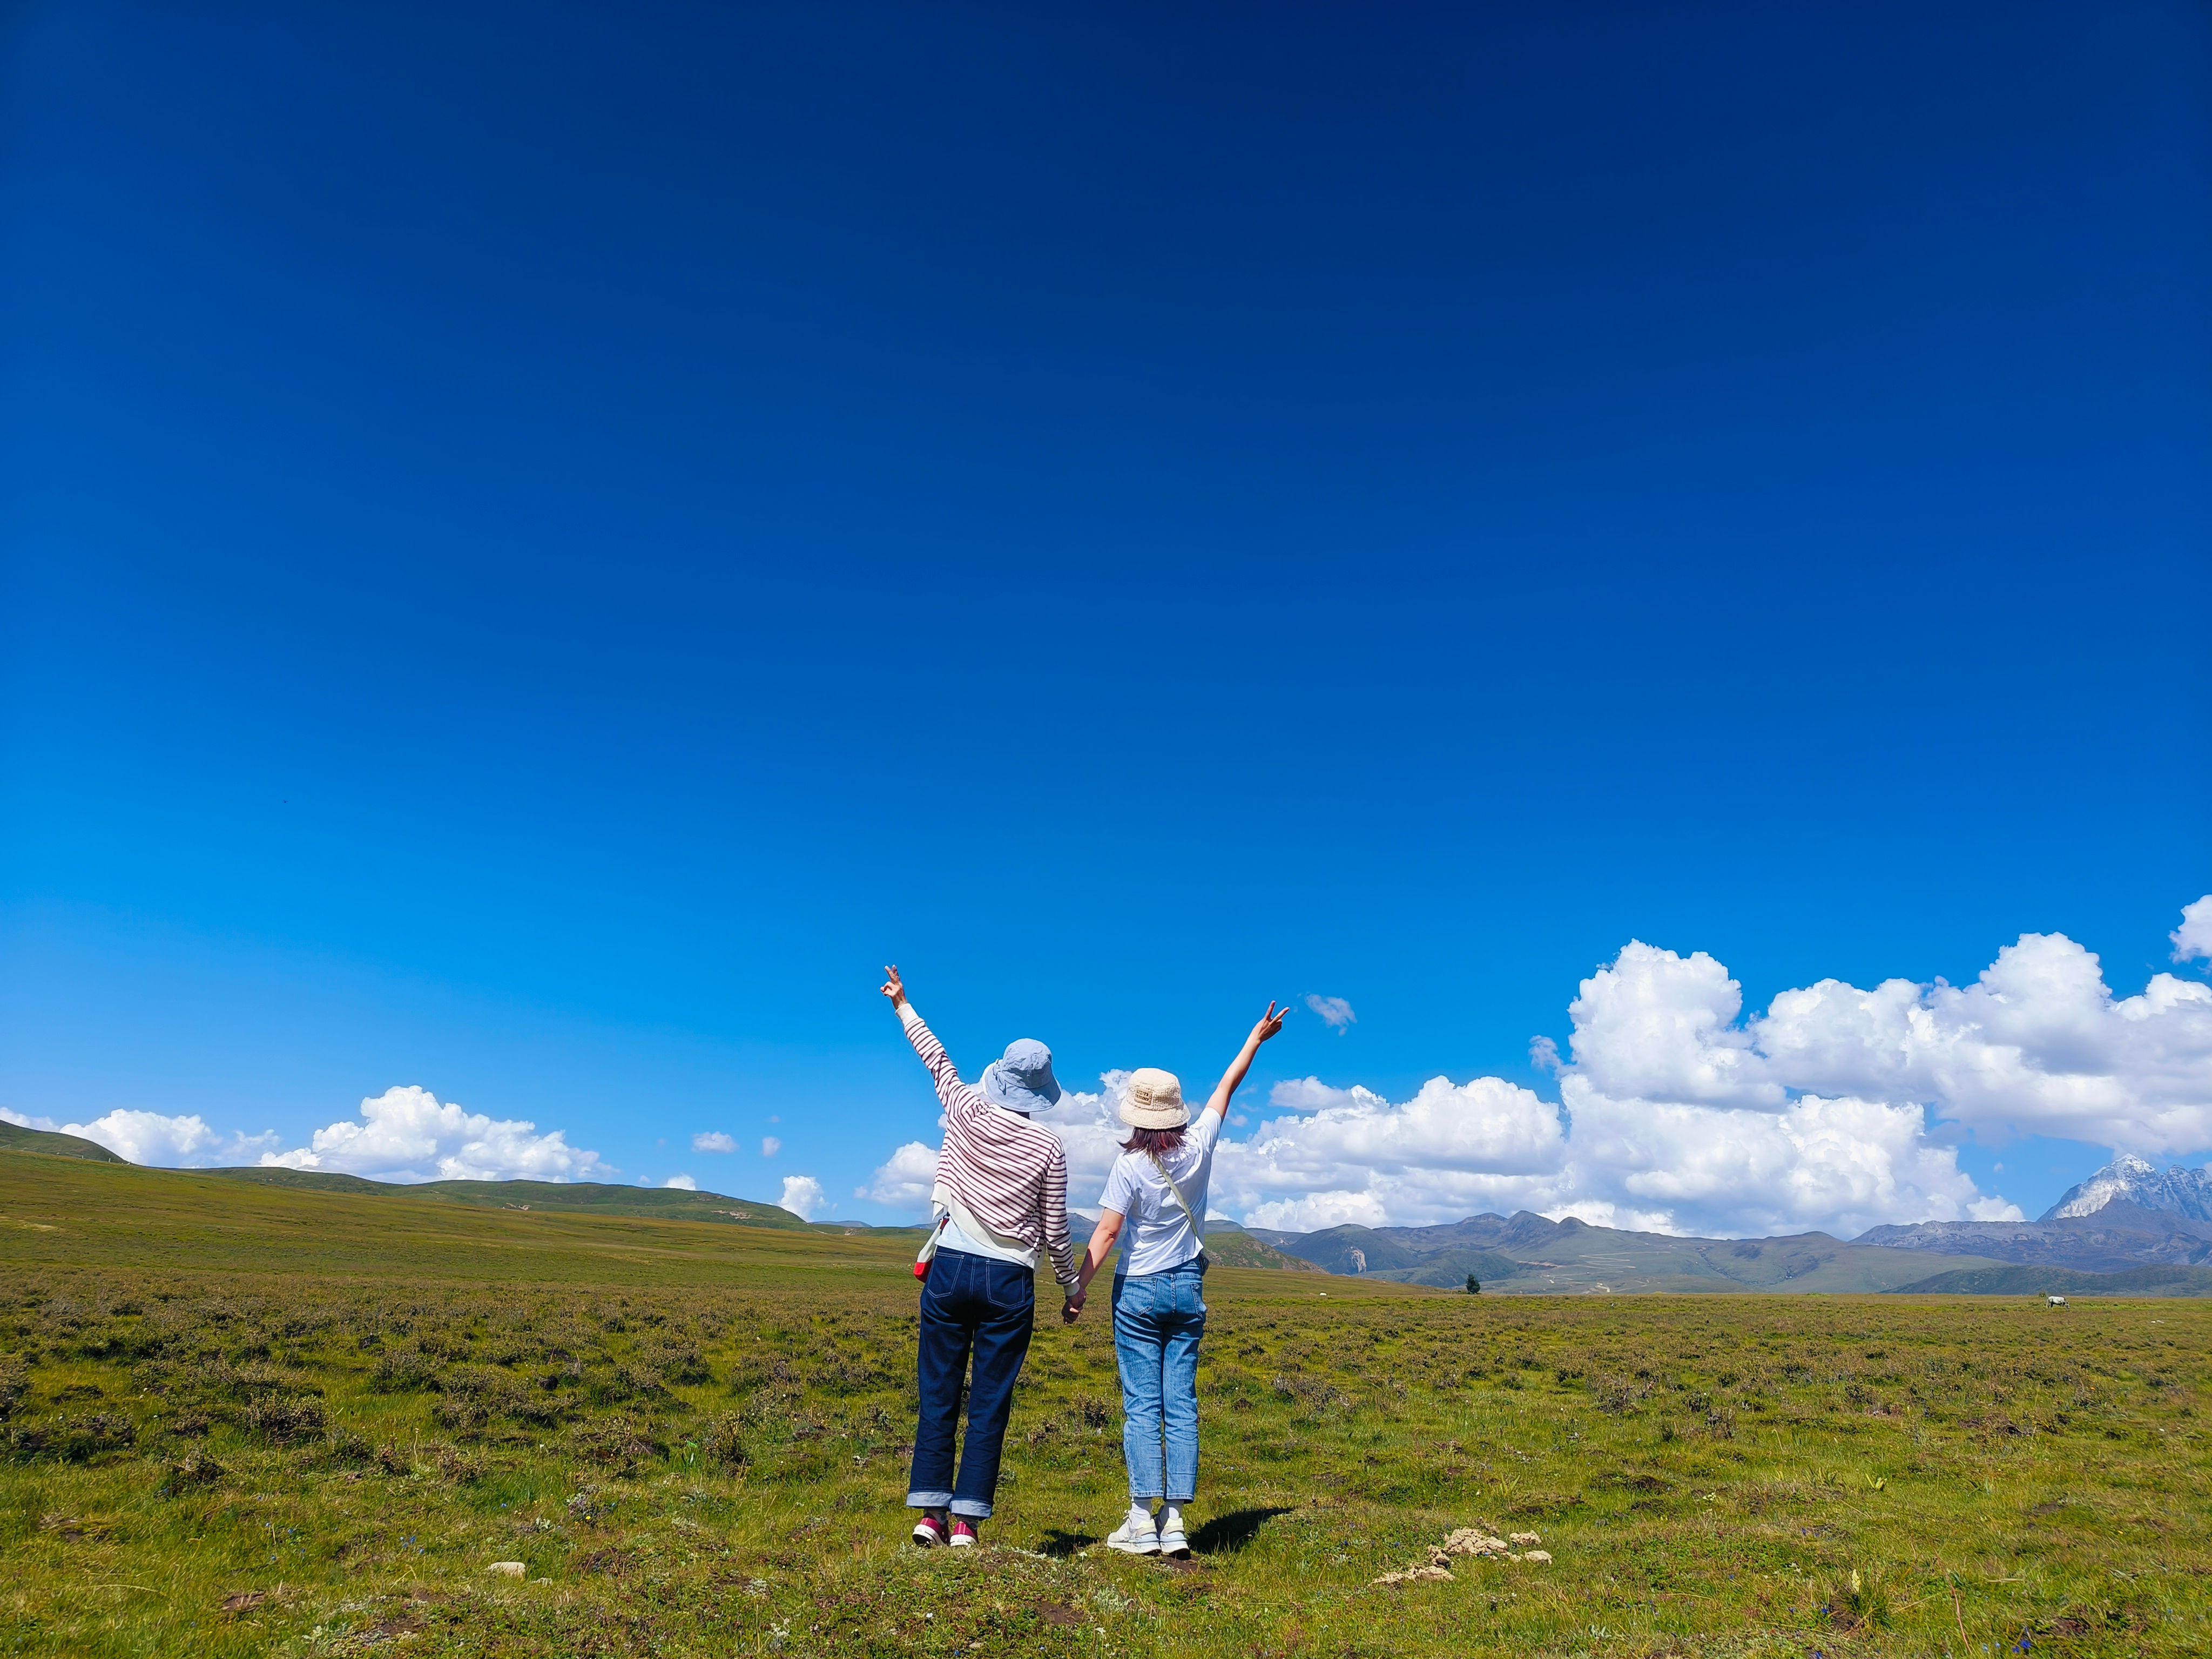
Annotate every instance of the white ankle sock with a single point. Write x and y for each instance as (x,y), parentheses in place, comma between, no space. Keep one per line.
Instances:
(1170,1517)
(1139,1515)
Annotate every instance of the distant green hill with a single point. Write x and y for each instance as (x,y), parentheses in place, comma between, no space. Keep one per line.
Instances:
(86,1214)
(310,1181)
(586,1197)
(1354,1250)
(2015,1280)
(16,1139)
(1450,1269)
(1232,1247)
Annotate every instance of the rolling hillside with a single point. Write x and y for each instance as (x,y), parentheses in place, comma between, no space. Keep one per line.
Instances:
(16,1139)
(1231,1246)
(593,1198)
(80,1214)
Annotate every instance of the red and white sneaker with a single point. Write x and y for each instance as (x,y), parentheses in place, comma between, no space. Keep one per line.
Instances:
(964,1533)
(929,1531)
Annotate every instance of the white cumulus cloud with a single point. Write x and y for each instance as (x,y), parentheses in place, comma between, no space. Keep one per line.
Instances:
(2036,1045)
(1661,1026)
(770,1146)
(1835,1108)
(2193,939)
(902,1180)
(409,1135)
(181,1142)
(1090,1133)
(1353,1156)
(1335,1013)
(681,1183)
(1833,1165)
(1311,1094)
(803,1196)
(713,1140)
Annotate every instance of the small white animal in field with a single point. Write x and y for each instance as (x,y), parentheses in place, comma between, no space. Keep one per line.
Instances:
(2055,1300)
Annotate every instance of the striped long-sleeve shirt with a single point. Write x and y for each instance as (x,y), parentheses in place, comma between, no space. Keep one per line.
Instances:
(1011,1174)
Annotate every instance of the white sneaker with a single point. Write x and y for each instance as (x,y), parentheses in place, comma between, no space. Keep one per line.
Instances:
(1172,1542)
(1136,1535)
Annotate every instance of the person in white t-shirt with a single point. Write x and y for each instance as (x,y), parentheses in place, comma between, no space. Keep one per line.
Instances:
(1157,1190)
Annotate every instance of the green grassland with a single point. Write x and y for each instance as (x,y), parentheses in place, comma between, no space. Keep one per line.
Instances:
(248,1418)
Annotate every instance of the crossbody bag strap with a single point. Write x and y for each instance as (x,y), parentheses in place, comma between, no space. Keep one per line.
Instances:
(1172,1188)
(1197,1227)
(968,1224)
(944,1199)
(928,1252)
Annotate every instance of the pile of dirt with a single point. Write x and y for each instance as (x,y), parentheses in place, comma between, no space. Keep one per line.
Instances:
(1469,1540)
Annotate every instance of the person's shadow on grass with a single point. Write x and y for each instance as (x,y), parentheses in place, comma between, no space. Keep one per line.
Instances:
(1225,1535)
(1060,1545)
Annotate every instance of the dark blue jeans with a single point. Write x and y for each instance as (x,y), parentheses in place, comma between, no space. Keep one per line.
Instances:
(970,1304)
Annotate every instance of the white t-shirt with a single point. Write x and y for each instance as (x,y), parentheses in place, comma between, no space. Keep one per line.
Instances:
(1157,1235)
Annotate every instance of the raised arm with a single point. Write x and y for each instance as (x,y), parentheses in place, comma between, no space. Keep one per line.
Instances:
(951,1093)
(1270,1022)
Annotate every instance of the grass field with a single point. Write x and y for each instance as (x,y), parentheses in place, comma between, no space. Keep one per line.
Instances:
(246,1419)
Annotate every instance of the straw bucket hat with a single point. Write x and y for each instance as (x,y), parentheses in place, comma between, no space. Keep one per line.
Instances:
(1154,1100)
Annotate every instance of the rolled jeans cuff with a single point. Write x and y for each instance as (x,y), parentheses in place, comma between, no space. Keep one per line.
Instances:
(975,1509)
(928,1500)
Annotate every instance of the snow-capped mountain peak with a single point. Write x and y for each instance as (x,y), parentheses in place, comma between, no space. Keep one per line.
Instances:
(2178,1192)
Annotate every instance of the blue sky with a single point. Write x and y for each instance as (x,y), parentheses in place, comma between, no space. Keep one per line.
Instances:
(542,546)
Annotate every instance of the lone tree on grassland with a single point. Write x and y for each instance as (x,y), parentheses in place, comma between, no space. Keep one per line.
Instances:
(1474,1285)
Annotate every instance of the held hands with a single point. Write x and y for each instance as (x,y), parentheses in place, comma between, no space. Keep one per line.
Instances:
(1074,1310)
(895,988)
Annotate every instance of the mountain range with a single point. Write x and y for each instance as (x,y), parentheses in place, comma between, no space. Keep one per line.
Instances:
(2130,1228)
(1528,1255)
(2127,1216)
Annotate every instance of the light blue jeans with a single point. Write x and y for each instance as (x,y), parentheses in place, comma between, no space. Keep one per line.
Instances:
(1157,1319)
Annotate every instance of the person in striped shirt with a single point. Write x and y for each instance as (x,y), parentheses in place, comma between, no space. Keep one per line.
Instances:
(1000,1198)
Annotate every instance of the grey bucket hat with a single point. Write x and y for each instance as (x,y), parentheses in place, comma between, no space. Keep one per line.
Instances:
(1022,1081)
